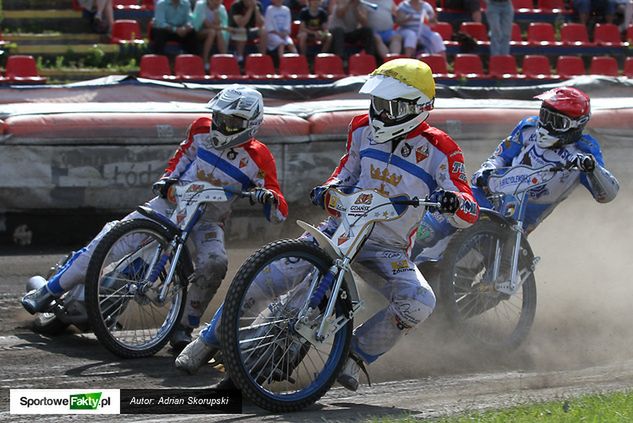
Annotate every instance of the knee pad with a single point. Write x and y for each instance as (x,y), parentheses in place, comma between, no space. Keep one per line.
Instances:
(213,268)
(410,311)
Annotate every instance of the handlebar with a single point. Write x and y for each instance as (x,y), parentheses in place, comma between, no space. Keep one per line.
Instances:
(415,202)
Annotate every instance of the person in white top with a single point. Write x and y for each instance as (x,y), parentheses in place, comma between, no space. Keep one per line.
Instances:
(207,21)
(413,17)
(380,20)
(278,21)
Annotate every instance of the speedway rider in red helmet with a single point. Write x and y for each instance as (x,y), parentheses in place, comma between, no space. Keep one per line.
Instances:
(553,137)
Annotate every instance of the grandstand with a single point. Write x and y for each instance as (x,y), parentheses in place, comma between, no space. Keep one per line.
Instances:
(48,41)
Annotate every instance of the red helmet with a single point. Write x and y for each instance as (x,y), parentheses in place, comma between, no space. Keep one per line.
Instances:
(564,113)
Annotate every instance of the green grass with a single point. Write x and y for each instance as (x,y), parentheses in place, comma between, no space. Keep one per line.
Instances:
(598,408)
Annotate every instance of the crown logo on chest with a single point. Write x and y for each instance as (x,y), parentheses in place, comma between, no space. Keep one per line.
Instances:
(385,176)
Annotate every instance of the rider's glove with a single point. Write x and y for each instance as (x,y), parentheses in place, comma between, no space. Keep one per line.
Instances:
(482,179)
(262,196)
(161,187)
(585,162)
(317,195)
(449,202)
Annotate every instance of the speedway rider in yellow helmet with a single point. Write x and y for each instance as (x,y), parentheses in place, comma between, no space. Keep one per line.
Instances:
(393,150)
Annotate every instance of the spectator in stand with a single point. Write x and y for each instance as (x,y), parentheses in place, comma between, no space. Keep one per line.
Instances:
(499,14)
(600,9)
(380,20)
(413,17)
(278,24)
(246,20)
(101,14)
(314,27)
(348,24)
(173,22)
(296,6)
(209,16)
(469,6)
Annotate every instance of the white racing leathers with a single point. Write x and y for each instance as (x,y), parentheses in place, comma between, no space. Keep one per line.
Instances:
(521,148)
(247,166)
(425,160)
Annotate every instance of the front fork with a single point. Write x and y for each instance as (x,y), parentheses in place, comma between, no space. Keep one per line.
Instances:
(329,324)
(511,286)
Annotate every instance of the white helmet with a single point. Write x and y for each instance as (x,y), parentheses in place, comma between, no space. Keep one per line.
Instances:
(402,94)
(237,113)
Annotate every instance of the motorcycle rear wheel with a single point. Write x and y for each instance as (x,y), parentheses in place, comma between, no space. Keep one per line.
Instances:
(485,317)
(274,366)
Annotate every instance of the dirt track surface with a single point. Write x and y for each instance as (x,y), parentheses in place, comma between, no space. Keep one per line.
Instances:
(582,339)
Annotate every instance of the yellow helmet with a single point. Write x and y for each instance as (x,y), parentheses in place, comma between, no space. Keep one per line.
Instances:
(402,94)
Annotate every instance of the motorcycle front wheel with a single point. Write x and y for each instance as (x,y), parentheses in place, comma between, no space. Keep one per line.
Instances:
(276,367)
(482,315)
(124,304)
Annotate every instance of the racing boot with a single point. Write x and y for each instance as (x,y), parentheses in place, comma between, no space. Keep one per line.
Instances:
(38,300)
(195,355)
(181,337)
(350,375)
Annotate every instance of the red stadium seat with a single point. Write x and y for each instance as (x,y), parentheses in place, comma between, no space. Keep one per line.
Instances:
(259,66)
(391,56)
(570,66)
(516,37)
(574,34)
(189,67)
(328,66)
(445,30)
(126,31)
(468,66)
(22,69)
(603,65)
(224,66)
(629,34)
(361,64)
(523,4)
(541,33)
(536,67)
(607,34)
(477,30)
(155,66)
(147,4)
(550,5)
(126,4)
(628,67)
(437,63)
(503,67)
(294,66)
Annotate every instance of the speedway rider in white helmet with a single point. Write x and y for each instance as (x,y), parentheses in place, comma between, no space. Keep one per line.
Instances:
(222,150)
(554,137)
(393,150)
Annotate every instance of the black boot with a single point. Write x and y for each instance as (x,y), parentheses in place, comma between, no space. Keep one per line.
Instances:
(38,300)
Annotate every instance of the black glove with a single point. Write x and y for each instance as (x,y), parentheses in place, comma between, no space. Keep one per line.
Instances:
(317,195)
(263,196)
(482,179)
(449,202)
(161,187)
(585,162)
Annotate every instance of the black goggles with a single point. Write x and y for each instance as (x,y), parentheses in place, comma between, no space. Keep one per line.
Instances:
(559,122)
(397,108)
(228,124)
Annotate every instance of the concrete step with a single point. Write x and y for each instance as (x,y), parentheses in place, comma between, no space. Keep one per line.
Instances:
(66,75)
(54,38)
(64,49)
(36,4)
(45,20)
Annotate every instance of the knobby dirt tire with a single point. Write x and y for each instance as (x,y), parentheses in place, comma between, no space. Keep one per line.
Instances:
(230,324)
(448,303)
(92,287)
